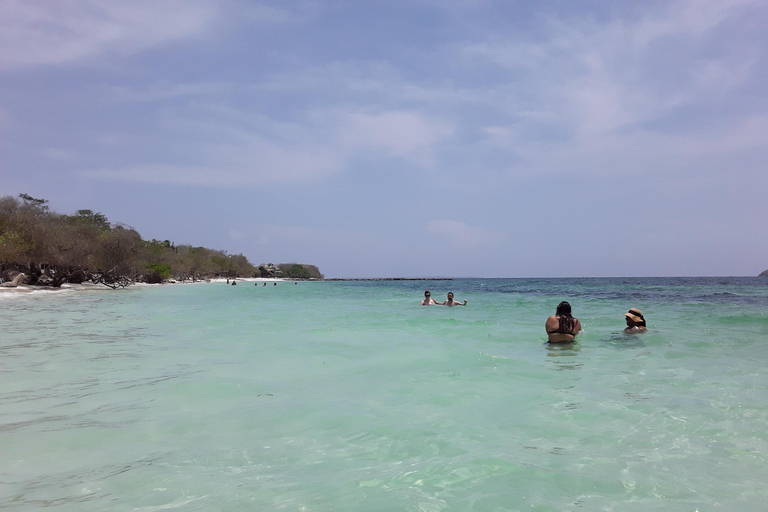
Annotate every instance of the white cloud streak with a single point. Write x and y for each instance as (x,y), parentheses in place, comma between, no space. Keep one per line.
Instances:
(34,32)
(267,152)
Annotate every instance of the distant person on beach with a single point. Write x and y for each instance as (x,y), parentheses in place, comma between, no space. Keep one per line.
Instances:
(451,302)
(635,321)
(234,283)
(562,327)
(428,300)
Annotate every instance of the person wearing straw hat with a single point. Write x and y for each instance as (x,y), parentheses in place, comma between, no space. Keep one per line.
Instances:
(635,321)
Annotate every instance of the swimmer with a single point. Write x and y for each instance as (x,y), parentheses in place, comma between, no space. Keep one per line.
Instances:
(562,327)
(451,302)
(635,321)
(428,300)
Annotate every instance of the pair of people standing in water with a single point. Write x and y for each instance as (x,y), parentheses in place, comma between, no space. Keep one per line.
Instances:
(562,327)
(429,301)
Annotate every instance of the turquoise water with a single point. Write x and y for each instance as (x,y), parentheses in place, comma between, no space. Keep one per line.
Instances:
(348,396)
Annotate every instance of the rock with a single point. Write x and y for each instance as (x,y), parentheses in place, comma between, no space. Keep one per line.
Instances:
(764,273)
(16,281)
(77,277)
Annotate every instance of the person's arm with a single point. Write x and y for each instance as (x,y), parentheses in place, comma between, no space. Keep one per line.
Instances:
(577,325)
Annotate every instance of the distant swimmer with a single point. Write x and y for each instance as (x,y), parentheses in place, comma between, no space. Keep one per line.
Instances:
(234,282)
(635,321)
(451,302)
(428,300)
(562,327)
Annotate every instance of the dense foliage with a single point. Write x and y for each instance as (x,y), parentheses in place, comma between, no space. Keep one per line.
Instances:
(52,248)
(300,271)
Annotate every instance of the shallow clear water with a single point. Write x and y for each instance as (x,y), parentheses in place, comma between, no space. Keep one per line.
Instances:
(336,396)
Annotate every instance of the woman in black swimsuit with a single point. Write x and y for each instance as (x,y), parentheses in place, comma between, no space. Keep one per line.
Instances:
(562,327)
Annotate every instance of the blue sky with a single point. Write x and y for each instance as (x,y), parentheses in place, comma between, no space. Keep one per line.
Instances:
(402,138)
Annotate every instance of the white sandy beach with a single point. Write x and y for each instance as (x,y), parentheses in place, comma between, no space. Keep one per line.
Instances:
(67,287)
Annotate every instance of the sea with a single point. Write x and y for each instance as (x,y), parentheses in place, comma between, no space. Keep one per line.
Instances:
(350,396)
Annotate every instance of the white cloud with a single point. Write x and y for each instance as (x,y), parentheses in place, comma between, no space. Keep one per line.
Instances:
(687,17)
(37,32)
(399,133)
(253,163)
(588,98)
(239,148)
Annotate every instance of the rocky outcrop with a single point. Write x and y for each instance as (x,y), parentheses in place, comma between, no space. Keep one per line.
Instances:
(270,270)
(764,273)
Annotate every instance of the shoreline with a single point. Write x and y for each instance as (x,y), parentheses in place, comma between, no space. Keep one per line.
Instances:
(25,289)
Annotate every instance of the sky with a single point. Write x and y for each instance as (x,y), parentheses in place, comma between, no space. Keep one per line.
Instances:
(419,138)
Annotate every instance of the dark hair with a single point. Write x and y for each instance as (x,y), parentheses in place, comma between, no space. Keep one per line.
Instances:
(564,310)
(564,316)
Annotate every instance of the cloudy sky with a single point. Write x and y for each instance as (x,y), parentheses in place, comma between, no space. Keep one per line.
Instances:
(489,138)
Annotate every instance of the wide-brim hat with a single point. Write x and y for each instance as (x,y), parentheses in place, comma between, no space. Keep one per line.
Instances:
(635,315)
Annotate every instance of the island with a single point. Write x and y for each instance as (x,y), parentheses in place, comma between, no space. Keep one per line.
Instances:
(43,248)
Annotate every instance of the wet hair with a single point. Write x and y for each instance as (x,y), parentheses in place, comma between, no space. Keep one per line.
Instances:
(565,317)
(564,310)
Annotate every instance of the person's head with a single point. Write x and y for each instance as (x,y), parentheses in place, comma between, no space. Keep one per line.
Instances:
(563,309)
(427,294)
(450,295)
(635,318)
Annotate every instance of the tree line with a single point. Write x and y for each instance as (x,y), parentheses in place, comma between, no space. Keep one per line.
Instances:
(52,248)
